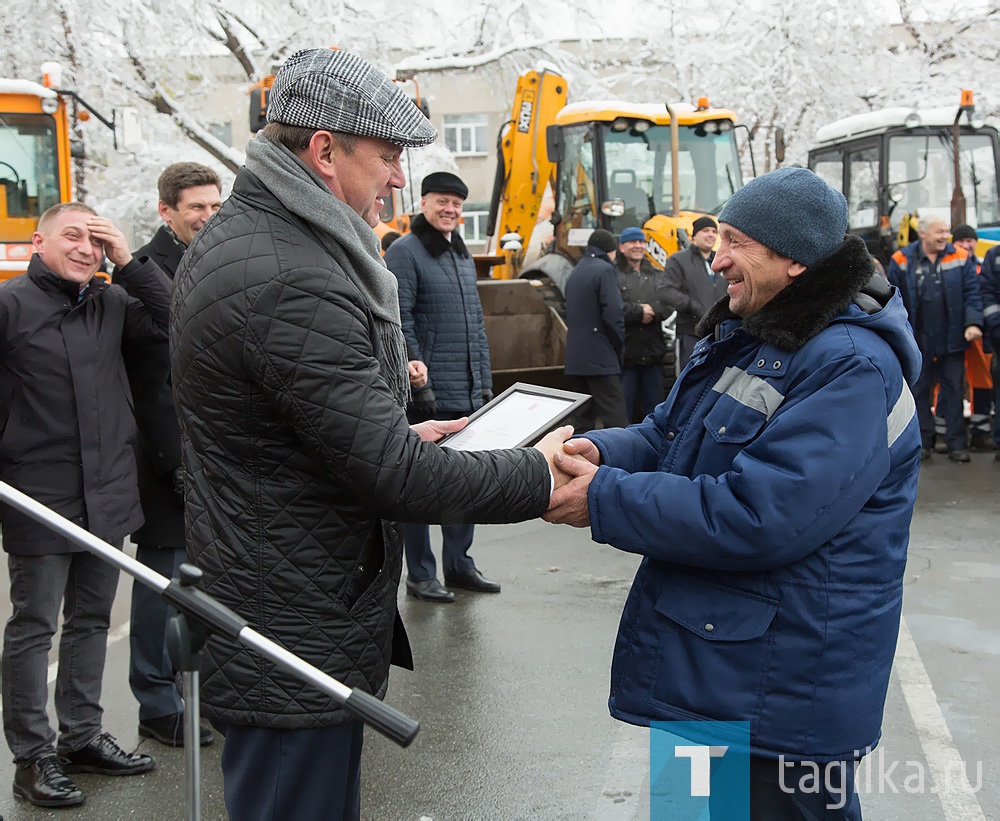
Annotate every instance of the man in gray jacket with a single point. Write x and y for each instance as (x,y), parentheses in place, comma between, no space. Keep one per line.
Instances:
(691,285)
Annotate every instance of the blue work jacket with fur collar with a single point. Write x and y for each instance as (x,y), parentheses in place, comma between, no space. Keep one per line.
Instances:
(771,496)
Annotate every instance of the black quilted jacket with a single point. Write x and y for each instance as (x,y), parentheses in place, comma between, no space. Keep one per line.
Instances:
(299,462)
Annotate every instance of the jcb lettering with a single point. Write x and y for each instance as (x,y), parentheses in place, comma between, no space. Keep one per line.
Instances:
(524,117)
(657,252)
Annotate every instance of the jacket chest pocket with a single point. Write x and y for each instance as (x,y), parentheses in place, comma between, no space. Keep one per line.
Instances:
(746,403)
(731,423)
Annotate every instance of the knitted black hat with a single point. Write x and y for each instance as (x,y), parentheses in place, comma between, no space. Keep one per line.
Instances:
(603,240)
(701,224)
(964,232)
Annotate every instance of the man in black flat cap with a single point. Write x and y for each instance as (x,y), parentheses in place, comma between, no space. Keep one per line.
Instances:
(289,369)
(443,324)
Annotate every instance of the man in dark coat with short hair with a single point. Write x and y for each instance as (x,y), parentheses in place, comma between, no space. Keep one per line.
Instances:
(189,194)
(692,287)
(595,331)
(68,439)
(443,324)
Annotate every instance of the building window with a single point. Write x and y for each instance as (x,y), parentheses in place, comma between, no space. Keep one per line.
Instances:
(473,227)
(465,134)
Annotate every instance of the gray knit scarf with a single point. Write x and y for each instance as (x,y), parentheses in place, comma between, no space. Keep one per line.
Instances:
(348,239)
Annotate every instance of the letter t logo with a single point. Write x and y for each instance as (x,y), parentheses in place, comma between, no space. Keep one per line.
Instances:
(700,765)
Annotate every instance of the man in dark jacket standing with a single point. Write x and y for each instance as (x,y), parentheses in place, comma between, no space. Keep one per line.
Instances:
(940,290)
(770,497)
(595,331)
(644,311)
(189,194)
(443,325)
(289,367)
(692,286)
(68,437)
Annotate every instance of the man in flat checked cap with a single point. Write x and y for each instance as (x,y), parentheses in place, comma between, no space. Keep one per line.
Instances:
(290,374)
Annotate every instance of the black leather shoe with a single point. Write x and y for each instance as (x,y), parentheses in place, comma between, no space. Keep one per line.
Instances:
(925,454)
(169,730)
(44,784)
(473,580)
(959,456)
(104,757)
(430,590)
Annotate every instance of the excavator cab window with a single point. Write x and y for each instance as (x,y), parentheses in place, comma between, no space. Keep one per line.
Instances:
(577,194)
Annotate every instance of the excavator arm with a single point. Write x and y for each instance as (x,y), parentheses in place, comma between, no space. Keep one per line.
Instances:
(523,168)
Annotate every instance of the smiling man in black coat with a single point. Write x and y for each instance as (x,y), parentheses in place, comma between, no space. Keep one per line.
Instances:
(68,437)
(189,194)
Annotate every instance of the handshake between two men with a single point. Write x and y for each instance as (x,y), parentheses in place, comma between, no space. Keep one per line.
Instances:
(573,463)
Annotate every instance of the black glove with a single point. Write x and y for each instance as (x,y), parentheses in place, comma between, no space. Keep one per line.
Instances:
(487,396)
(425,403)
(177,480)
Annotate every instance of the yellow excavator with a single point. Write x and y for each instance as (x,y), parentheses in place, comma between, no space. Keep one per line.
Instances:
(36,156)
(612,165)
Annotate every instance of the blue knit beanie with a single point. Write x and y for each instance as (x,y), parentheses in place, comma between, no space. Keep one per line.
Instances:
(632,235)
(791,211)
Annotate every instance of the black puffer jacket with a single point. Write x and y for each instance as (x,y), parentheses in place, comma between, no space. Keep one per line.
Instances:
(298,461)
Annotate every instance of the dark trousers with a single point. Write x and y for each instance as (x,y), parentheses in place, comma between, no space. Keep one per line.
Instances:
(278,775)
(84,586)
(607,405)
(647,380)
(151,675)
(800,792)
(456,539)
(948,372)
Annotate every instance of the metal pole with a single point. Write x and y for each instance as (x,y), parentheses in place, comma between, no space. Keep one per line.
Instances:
(192,745)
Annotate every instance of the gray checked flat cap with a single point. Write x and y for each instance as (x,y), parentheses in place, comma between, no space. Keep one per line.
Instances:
(336,91)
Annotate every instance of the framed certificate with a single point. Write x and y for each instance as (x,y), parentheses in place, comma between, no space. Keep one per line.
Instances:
(519,416)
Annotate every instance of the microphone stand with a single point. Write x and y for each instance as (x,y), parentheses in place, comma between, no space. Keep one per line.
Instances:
(199,616)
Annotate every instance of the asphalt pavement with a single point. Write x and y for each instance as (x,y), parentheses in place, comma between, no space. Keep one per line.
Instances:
(511,690)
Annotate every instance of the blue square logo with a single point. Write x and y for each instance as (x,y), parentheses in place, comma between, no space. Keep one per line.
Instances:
(699,770)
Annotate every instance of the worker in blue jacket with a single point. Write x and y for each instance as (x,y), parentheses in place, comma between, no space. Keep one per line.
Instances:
(989,284)
(940,290)
(770,496)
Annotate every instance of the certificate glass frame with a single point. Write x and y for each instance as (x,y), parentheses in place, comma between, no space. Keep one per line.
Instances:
(518,417)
